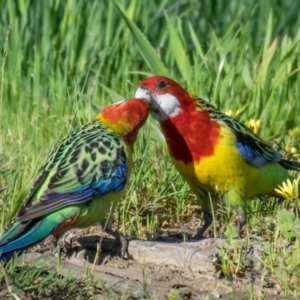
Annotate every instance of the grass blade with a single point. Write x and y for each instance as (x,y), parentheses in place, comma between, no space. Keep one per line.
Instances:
(146,50)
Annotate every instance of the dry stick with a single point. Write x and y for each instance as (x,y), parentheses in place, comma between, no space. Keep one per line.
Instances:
(97,256)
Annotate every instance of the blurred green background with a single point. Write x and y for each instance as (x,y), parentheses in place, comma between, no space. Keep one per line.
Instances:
(62,61)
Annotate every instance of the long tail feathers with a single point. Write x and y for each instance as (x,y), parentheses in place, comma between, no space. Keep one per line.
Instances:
(22,236)
(290,165)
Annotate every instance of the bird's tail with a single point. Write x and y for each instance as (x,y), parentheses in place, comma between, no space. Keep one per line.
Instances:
(22,236)
(290,165)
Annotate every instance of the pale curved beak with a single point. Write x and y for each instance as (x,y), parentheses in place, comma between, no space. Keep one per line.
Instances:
(143,92)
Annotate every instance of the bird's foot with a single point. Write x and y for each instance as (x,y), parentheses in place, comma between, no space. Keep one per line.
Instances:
(106,259)
(66,245)
(241,222)
(122,241)
(53,244)
(176,237)
(199,235)
(207,218)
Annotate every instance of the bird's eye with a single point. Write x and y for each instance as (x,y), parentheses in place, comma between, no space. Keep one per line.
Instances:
(161,84)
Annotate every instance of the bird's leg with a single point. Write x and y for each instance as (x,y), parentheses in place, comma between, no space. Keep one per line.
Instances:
(207,217)
(53,243)
(207,203)
(120,239)
(241,220)
(234,198)
(64,246)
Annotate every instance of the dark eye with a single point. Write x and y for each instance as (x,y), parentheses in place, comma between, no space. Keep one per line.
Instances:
(161,84)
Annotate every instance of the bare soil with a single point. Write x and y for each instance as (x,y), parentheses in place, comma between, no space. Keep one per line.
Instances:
(155,268)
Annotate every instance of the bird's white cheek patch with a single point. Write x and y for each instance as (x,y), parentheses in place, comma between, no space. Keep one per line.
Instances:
(162,106)
(168,104)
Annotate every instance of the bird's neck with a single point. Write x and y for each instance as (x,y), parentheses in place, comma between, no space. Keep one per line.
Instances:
(191,135)
(128,131)
(130,138)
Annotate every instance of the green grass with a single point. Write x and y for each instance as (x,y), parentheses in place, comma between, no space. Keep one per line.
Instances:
(61,61)
(38,281)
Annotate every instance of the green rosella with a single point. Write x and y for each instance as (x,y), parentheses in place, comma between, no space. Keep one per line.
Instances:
(213,152)
(82,180)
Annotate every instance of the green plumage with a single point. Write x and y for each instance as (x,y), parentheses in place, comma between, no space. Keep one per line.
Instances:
(89,157)
(82,180)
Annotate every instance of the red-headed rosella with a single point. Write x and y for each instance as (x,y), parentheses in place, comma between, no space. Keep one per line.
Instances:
(213,152)
(82,181)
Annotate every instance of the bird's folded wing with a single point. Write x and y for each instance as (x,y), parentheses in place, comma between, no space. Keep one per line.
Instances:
(77,171)
(253,149)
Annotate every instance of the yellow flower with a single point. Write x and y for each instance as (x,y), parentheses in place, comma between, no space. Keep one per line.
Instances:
(229,113)
(291,151)
(293,134)
(235,115)
(253,125)
(289,190)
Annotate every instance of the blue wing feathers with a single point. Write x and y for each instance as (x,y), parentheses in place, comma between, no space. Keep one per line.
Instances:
(76,197)
(250,156)
(91,187)
(32,236)
(255,156)
(253,149)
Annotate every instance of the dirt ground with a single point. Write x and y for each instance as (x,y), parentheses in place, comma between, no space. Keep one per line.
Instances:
(156,267)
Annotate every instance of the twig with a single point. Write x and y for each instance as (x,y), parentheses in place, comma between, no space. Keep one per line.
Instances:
(97,256)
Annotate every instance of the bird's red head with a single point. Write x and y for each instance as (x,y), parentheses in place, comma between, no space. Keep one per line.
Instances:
(181,120)
(126,117)
(166,97)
